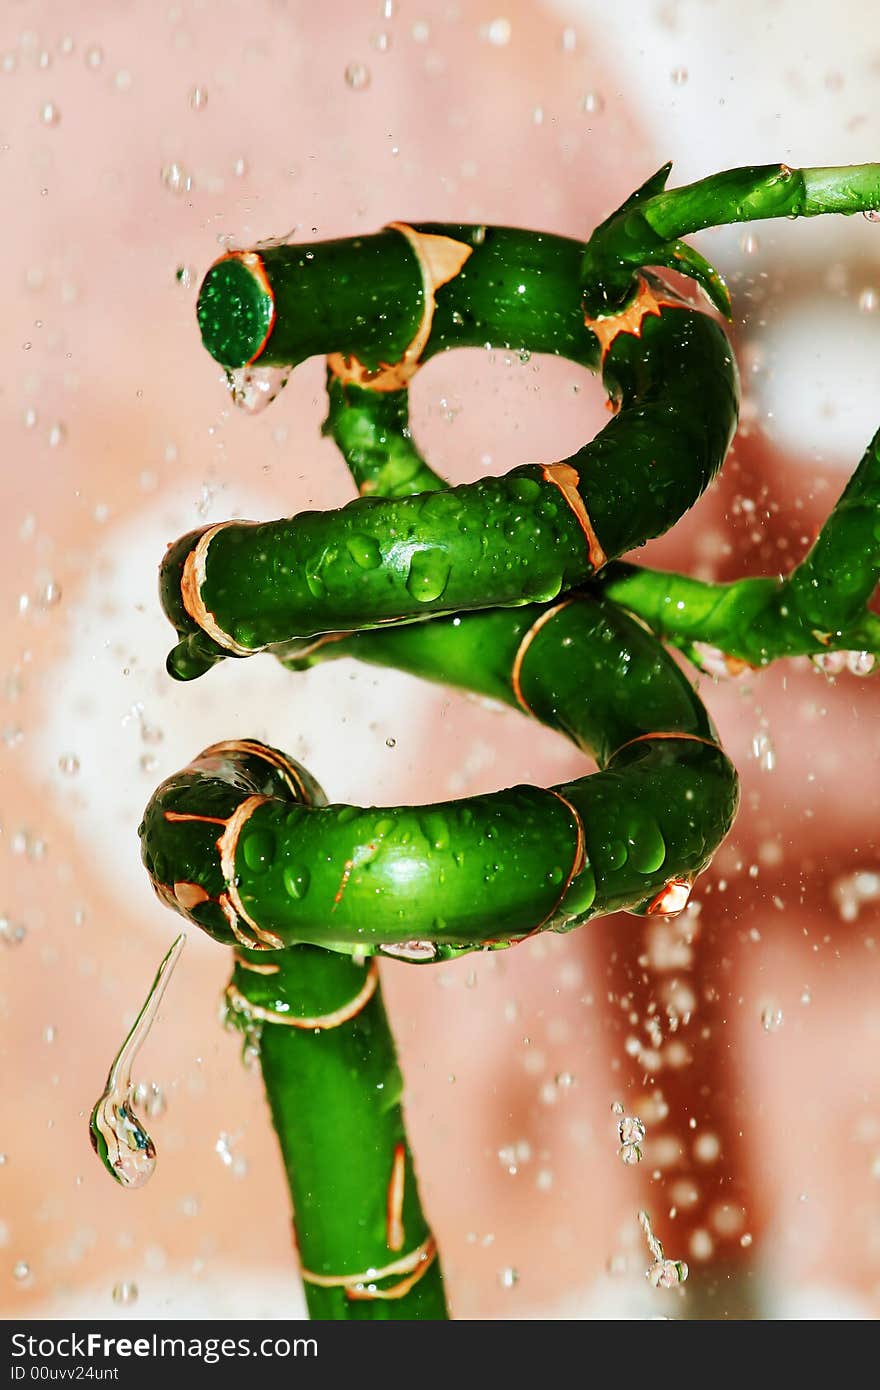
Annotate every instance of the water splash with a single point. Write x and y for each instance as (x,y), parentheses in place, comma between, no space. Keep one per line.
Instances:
(253,388)
(664,1273)
(631,1132)
(118,1137)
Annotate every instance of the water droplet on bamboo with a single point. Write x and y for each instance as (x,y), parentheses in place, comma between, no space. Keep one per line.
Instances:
(296,879)
(258,849)
(118,1137)
(428,575)
(365,551)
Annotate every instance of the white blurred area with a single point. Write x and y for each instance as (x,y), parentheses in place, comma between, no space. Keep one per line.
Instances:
(121,438)
(722,84)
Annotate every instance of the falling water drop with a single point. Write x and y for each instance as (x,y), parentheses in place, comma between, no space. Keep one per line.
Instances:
(357,77)
(664,1273)
(771,1019)
(631,1132)
(118,1137)
(253,388)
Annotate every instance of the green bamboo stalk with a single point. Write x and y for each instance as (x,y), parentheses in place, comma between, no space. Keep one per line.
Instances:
(646,229)
(335,1096)
(463,586)
(331,1078)
(429,882)
(820,607)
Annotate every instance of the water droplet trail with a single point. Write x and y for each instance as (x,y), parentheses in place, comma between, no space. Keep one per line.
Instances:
(118,1137)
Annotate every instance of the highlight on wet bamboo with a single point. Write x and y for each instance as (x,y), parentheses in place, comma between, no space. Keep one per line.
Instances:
(514,588)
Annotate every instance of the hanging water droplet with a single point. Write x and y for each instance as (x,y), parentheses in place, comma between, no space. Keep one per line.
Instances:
(21,1270)
(253,388)
(868,301)
(126,1292)
(860,663)
(749,244)
(184,275)
(57,434)
(679,76)
(49,114)
(391,743)
(508,1278)
(410,950)
(198,98)
(593,103)
(358,77)
(118,1137)
(94,55)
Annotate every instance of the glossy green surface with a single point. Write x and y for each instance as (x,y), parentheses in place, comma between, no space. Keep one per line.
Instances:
(335,1098)
(646,229)
(463,586)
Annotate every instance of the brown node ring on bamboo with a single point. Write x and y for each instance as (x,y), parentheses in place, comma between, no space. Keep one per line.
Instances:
(648,301)
(231,903)
(272,756)
(394,1229)
(415,1266)
(191,581)
(526,641)
(316,1024)
(567,479)
(440,258)
(578,864)
(648,738)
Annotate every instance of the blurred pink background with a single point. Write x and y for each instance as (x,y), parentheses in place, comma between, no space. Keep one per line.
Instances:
(135,142)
